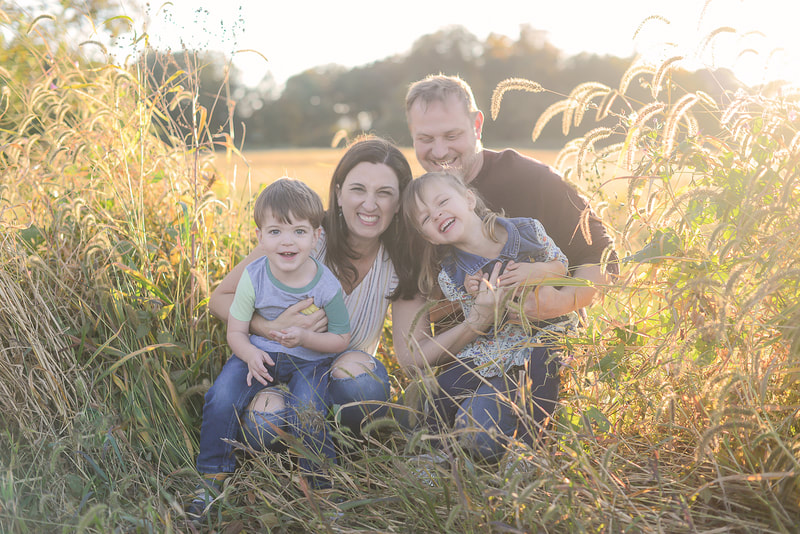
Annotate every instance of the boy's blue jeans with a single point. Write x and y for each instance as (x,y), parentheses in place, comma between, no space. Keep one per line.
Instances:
(306,381)
(370,390)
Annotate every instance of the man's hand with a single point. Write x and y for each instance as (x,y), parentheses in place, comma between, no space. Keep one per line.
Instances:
(526,273)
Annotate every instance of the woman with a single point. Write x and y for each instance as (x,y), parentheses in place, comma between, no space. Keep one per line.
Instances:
(366,247)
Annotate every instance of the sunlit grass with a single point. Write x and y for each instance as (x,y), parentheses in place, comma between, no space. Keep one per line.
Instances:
(679,404)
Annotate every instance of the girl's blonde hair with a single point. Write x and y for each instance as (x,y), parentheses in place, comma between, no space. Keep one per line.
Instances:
(431,255)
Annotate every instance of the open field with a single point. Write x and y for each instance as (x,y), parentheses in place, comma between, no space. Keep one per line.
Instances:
(312,165)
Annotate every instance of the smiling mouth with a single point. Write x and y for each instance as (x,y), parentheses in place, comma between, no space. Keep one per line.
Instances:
(444,163)
(368,219)
(287,255)
(447,224)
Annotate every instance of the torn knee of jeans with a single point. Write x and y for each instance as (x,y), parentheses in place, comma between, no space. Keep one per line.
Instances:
(343,372)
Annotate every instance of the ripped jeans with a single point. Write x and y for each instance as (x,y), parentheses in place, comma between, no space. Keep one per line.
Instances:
(368,390)
(305,413)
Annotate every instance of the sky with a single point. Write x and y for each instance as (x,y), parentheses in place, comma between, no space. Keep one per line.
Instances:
(294,35)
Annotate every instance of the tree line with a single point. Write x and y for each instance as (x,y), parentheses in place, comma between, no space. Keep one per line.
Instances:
(317,103)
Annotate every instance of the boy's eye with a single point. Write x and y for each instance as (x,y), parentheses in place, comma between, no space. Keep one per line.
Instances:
(274,232)
(300,231)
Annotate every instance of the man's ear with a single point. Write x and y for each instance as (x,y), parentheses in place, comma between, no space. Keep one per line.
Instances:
(478,124)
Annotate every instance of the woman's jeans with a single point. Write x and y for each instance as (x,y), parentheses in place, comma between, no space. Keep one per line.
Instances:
(488,411)
(305,413)
(369,390)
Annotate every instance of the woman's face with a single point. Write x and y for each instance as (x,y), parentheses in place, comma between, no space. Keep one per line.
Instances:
(369,198)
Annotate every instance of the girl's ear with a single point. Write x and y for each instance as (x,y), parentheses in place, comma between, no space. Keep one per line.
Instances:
(471,200)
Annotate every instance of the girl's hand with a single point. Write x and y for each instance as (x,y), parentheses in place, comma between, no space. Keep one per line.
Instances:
(472,283)
(487,301)
(290,337)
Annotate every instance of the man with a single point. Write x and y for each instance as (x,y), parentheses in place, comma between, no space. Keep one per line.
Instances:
(446,127)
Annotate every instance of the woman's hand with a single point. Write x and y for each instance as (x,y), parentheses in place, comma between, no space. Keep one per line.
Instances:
(293,316)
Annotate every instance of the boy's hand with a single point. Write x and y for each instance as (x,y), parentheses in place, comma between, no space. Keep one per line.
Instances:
(290,337)
(257,362)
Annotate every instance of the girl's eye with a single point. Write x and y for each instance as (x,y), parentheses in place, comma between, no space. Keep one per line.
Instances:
(274,232)
(300,231)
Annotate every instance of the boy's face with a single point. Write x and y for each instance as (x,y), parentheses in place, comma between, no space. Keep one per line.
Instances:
(286,245)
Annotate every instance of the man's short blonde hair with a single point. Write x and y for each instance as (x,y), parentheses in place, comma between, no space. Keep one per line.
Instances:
(438,88)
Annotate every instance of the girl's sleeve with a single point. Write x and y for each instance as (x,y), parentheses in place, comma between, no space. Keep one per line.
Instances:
(549,251)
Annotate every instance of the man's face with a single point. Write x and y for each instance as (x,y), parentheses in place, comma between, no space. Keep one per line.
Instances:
(446,136)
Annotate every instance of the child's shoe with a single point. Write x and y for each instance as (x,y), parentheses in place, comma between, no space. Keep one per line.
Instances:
(204,495)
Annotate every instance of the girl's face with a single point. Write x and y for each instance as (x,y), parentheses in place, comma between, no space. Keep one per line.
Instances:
(445,215)
(369,198)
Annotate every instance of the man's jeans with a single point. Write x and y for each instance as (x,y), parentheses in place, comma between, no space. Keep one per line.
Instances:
(306,410)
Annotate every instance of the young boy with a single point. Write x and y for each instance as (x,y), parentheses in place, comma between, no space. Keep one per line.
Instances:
(288,215)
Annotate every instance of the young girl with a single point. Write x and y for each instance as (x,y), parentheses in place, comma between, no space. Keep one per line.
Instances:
(502,368)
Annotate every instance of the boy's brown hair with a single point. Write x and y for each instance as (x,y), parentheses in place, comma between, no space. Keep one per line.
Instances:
(289,200)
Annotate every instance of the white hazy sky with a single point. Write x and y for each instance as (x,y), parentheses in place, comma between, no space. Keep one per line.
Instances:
(298,34)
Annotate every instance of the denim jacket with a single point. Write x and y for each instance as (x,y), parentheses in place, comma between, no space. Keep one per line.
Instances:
(527,242)
(510,344)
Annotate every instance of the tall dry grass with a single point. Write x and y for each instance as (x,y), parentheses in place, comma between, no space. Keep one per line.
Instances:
(679,406)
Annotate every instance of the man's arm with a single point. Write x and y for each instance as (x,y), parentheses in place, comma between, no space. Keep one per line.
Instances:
(548,302)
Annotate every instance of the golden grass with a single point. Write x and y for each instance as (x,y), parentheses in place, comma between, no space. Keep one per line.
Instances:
(247,173)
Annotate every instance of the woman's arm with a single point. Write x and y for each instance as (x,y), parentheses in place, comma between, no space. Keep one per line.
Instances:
(414,345)
(219,304)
